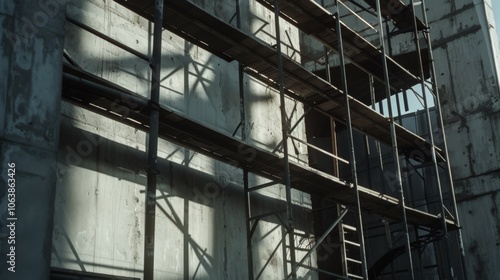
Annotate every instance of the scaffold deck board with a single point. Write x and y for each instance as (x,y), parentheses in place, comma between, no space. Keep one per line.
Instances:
(103,97)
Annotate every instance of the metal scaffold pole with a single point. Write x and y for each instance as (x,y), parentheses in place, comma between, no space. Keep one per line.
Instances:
(149,244)
(284,129)
(241,88)
(352,155)
(248,226)
(439,113)
(399,183)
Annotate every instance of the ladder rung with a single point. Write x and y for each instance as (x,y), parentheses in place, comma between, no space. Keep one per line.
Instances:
(351,228)
(354,276)
(353,260)
(351,243)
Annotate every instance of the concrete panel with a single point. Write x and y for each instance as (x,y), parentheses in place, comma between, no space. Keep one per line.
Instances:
(478,92)
(268,255)
(477,186)
(33,70)
(475,149)
(31,57)
(482,246)
(33,209)
(194,82)
(107,60)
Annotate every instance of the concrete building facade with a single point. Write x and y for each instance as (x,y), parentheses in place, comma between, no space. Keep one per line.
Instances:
(467,63)
(81,171)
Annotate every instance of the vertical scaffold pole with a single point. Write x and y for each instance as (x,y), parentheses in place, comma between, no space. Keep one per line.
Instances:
(240,80)
(399,183)
(439,113)
(248,212)
(284,131)
(352,155)
(149,242)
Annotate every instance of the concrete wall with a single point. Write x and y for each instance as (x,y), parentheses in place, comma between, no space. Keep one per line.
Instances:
(200,224)
(464,43)
(31,41)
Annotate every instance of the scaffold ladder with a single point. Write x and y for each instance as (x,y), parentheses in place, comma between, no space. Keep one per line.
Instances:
(351,263)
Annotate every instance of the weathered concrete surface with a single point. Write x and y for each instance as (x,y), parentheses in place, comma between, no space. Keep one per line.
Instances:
(200,225)
(31,41)
(466,54)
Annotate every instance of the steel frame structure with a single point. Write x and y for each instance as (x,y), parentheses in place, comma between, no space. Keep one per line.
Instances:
(160,122)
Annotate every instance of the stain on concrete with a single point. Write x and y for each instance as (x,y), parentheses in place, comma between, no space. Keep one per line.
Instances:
(479,265)
(463,122)
(461,35)
(496,217)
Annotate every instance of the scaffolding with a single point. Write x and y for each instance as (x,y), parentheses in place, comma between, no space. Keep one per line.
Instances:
(343,102)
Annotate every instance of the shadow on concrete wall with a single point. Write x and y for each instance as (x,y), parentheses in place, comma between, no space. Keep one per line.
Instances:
(177,180)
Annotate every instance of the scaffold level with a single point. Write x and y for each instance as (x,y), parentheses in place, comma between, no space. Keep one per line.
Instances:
(98,95)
